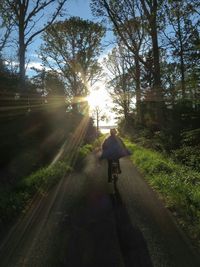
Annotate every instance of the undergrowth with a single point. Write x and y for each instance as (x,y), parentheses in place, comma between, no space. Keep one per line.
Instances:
(14,199)
(178,185)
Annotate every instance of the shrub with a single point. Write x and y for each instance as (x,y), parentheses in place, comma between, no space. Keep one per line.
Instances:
(188,156)
(14,200)
(150,161)
(45,178)
(81,154)
(191,137)
(178,185)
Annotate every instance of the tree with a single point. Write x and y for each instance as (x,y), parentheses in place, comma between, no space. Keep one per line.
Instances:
(129,29)
(149,11)
(5,29)
(25,15)
(182,36)
(123,16)
(71,48)
(121,85)
(49,84)
(98,115)
(8,79)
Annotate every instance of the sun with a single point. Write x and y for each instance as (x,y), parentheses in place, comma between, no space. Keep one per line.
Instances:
(97,98)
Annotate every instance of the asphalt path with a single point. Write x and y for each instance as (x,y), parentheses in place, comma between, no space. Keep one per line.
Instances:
(86,222)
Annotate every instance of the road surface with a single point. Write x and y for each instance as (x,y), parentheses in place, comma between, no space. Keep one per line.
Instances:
(84,222)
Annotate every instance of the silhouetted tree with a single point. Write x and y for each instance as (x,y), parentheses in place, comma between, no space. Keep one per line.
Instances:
(121,86)
(72,47)
(25,16)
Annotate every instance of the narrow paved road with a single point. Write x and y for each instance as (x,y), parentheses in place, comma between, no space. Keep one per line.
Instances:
(83,222)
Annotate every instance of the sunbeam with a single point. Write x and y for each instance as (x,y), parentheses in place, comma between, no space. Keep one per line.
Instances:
(40,207)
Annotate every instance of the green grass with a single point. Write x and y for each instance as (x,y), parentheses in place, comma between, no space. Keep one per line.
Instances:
(44,178)
(178,185)
(83,151)
(14,200)
(188,155)
(98,142)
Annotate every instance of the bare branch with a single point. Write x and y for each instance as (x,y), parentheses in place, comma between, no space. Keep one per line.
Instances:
(54,16)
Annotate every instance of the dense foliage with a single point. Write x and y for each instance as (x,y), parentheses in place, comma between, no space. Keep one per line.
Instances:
(13,200)
(72,48)
(21,18)
(155,64)
(178,185)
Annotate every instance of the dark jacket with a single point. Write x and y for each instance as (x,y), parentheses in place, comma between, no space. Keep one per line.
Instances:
(113,148)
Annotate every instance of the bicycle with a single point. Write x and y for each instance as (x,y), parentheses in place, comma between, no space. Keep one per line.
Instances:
(115,171)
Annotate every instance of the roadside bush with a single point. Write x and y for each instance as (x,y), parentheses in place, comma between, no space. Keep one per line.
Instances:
(14,200)
(151,162)
(191,138)
(44,178)
(98,142)
(178,185)
(81,154)
(188,156)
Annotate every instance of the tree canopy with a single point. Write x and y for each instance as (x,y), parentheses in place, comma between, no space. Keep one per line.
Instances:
(161,40)
(71,48)
(24,15)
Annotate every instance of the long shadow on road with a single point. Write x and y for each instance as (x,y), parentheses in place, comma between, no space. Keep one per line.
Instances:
(102,234)
(133,246)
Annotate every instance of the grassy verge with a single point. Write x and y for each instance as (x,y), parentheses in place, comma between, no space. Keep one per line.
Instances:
(178,185)
(98,142)
(82,153)
(14,199)
(86,149)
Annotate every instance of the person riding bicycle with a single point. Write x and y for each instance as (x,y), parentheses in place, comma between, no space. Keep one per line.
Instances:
(113,149)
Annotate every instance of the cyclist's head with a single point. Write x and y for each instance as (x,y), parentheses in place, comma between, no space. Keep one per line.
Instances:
(113,132)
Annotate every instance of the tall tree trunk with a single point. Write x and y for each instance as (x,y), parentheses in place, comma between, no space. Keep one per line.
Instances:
(138,90)
(22,71)
(97,122)
(157,86)
(22,48)
(182,64)
(150,9)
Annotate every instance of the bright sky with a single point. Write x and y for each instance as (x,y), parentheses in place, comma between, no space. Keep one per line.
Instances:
(79,8)
(100,97)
